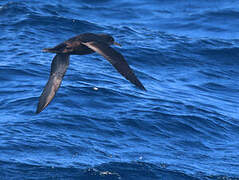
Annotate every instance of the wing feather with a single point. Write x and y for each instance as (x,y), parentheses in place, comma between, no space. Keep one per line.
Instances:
(58,68)
(117,60)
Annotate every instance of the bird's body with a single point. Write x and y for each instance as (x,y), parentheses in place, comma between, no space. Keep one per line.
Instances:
(80,45)
(75,46)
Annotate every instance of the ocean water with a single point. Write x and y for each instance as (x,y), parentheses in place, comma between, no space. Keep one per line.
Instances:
(186,126)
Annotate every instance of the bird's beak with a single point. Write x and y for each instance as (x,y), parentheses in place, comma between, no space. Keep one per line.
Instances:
(117,44)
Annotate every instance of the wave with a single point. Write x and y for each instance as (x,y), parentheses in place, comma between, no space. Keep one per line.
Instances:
(112,170)
(187,118)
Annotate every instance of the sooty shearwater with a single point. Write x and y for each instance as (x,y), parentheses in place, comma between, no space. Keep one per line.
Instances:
(83,44)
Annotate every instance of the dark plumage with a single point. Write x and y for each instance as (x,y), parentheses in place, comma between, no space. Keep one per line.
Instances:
(83,44)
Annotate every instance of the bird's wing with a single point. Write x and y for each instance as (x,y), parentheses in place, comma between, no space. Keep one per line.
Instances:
(58,68)
(117,60)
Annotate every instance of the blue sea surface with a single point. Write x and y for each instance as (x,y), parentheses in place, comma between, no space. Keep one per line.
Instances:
(186,126)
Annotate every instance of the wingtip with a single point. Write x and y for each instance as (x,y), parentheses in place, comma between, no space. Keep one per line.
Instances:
(41,104)
(142,88)
(38,110)
(139,85)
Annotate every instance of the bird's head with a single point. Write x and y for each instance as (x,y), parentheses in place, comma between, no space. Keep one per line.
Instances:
(108,39)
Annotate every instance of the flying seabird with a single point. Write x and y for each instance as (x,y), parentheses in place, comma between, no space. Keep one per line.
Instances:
(80,45)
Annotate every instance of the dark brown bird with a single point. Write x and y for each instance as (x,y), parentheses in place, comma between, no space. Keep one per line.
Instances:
(83,44)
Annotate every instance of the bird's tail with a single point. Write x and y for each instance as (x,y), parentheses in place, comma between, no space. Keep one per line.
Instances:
(50,50)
